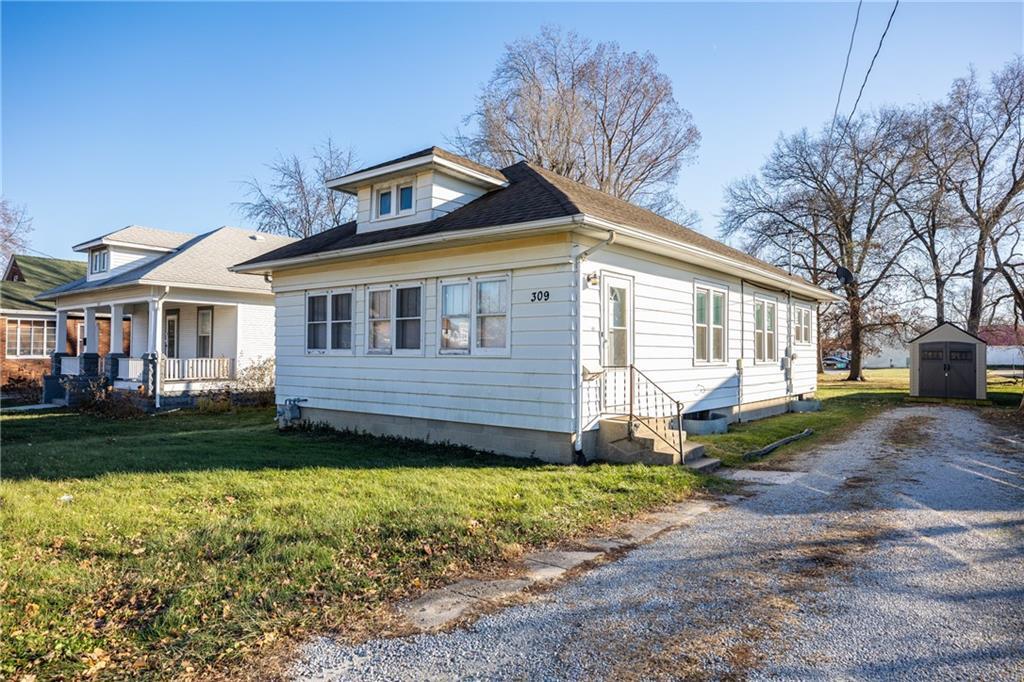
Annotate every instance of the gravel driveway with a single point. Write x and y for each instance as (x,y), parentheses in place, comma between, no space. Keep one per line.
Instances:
(900,554)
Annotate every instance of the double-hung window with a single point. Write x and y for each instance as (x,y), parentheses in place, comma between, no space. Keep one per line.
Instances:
(31,338)
(204,333)
(99,260)
(328,321)
(395,319)
(475,316)
(765,345)
(802,325)
(709,306)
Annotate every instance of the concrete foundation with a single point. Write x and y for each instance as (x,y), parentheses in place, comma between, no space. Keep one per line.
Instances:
(548,446)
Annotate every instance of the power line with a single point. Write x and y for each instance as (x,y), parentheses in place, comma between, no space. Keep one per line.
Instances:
(846,67)
(874,57)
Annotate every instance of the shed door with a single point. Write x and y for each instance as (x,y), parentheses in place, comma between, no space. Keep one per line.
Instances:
(947,370)
(932,370)
(962,371)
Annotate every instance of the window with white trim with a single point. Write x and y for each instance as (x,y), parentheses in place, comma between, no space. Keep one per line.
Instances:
(329,321)
(204,333)
(475,316)
(709,309)
(394,319)
(765,345)
(802,325)
(30,338)
(99,260)
(392,200)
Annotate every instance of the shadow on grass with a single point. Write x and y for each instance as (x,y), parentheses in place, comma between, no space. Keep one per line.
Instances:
(57,446)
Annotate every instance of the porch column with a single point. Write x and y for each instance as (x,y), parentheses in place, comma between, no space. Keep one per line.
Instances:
(92,331)
(62,332)
(116,329)
(151,372)
(116,351)
(90,360)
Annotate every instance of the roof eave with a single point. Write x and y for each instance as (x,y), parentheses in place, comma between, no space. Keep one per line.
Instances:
(351,182)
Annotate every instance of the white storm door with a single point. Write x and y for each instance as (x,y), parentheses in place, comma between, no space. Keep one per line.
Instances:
(617,309)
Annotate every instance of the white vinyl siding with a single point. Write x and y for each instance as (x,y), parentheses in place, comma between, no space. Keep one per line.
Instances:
(528,385)
(665,329)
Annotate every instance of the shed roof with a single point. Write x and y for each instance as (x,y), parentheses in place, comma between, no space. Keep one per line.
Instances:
(923,336)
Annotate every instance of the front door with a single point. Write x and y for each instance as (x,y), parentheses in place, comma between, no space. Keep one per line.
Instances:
(171,335)
(617,294)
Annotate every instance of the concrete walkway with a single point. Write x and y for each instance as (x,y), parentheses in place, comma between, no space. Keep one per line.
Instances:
(897,554)
(29,408)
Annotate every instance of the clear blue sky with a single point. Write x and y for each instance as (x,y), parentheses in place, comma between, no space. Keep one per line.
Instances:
(152,113)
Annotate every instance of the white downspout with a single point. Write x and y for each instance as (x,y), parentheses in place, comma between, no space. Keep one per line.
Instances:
(577,268)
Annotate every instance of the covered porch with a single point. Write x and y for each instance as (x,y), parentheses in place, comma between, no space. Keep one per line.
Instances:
(176,346)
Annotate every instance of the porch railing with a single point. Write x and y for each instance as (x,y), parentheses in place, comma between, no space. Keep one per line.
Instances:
(71,365)
(130,369)
(630,392)
(185,369)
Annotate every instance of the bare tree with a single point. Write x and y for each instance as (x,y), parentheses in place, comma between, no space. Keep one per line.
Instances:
(15,226)
(979,159)
(831,194)
(295,201)
(941,250)
(593,113)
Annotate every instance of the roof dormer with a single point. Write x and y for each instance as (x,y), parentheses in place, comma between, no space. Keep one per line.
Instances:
(127,248)
(415,188)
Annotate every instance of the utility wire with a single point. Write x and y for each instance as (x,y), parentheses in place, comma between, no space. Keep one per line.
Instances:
(874,57)
(846,67)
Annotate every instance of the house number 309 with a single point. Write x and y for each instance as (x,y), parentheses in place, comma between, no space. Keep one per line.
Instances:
(537,296)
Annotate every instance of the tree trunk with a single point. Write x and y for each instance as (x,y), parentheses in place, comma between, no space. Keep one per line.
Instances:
(977,285)
(940,302)
(856,340)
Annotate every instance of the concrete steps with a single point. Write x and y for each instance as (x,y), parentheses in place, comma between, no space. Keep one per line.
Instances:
(645,447)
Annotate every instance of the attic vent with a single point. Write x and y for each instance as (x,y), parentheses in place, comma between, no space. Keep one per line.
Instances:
(257,237)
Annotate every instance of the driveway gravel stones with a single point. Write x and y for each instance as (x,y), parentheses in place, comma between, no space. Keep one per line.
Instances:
(899,554)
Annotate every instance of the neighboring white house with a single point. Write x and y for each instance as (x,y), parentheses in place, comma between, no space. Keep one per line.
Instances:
(194,323)
(516,311)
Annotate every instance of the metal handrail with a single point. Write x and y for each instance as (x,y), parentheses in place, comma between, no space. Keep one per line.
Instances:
(648,404)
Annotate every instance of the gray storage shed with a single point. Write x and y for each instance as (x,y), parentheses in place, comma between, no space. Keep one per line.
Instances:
(948,362)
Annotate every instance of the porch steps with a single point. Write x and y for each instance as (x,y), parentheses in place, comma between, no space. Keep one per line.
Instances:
(615,445)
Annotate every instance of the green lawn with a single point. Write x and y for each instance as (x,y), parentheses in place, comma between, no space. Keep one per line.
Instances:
(193,540)
(845,404)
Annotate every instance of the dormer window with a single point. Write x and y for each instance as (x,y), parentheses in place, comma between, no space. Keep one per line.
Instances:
(383,203)
(394,200)
(405,198)
(99,261)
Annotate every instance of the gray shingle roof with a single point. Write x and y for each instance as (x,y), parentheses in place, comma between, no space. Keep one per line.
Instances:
(144,236)
(533,193)
(202,260)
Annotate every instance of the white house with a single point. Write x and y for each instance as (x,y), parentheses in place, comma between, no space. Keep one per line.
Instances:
(517,311)
(194,323)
